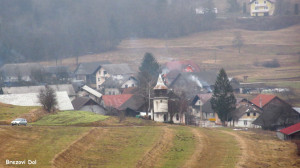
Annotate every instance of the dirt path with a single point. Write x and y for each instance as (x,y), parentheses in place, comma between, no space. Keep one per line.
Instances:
(78,147)
(151,158)
(201,140)
(243,148)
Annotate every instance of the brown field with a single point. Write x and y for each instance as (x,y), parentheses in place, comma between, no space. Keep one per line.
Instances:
(213,50)
(164,146)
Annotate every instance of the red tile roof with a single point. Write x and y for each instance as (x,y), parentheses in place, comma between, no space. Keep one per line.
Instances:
(292,129)
(184,66)
(115,101)
(265,99)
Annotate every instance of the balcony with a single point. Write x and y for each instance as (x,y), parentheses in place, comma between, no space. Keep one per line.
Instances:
(258,5)
(260,10)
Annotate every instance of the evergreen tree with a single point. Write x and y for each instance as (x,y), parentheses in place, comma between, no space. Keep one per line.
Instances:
(223,100)
(148,74)
(149,65)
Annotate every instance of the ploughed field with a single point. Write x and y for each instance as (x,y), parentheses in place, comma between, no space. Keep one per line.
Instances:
(144,146)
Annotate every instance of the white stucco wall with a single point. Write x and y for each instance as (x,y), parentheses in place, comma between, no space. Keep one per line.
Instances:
(160,105)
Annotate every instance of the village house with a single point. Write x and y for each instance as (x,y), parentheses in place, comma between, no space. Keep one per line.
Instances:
(129,104)
(31,99)
(276,113)
(87,72)
(116,71)
(290,133)
(193,82)
(91,93)
(245,113)
(58,73)
(88,104)
(262,7)
(36,89)
(114,86)
(181,66)
(13,73)
(160,111)
(201,111)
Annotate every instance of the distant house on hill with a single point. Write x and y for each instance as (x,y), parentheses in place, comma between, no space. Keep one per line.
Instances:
(18,72)
(181,66)
(276,112)
(36,89)
(115,71)
(88,104)
(87,71)
(262,7)
(31,99)
(245,113)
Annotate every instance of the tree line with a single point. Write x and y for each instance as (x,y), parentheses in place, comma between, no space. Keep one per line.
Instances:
(33,30)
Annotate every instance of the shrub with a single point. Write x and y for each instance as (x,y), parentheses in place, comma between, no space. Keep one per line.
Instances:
(271,64)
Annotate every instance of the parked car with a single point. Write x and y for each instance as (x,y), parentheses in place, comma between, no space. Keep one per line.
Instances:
(19,121)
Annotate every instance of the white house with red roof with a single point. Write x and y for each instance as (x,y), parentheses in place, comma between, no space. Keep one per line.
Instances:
(290,133)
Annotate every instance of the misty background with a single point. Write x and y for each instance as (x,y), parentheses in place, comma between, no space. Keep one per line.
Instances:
(35,30)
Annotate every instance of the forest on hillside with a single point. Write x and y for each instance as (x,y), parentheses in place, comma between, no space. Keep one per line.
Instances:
(34,30)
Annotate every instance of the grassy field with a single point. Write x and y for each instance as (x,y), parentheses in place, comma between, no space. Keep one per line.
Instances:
(160,146)
(36,143)
(10,112)
(70,118)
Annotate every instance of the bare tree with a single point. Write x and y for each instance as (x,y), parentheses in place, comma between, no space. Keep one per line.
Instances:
(238,41)
(47,98)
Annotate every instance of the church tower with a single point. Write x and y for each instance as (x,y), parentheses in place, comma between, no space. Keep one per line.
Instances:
(160,101)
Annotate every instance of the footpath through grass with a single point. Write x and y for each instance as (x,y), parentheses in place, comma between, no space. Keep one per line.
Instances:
(182,149)
(70,118)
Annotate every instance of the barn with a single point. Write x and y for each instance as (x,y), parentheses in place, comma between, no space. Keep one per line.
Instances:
(290,133)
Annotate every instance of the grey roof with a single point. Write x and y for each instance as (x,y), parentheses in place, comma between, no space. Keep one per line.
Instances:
(297,109)
(31,99)
(23,69)
(57,69)
(134,103)
(88,68)
(92,91)
(35,89)
(118,69)
(79,102)
(206,107)
(244,106)
(113,82)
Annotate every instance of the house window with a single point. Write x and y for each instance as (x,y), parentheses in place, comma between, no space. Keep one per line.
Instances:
(266,7)
(254,114)
(265,2)
(161,101)
(256,8)
(99,86)
(248,114)
(132,85)
(245,122)
(104,72)
(126,86)
(109,93)
(177,117)
(256,2)
(99,79)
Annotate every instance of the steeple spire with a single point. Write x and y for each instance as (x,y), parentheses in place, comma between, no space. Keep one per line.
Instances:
(160,85)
